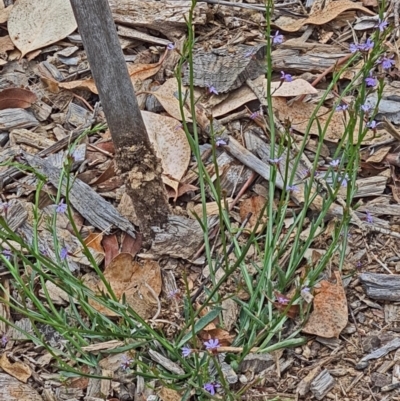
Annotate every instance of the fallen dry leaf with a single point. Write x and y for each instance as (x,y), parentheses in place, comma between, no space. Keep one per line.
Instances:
(165,94)
(171,145)
(111,248)
(18,370)
(224,337)
(139,284)
(330,314)
(93,240)
(321,17)
(6,44)
(4,12)
(297,87)
(35,24)
(16,98)
(253,205)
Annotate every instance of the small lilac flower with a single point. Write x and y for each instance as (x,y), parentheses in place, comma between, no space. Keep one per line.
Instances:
(126,362)
(292,188)
(212,90)
(275,161)
(305,289)
(371,81)
(186,351)
(4,341)
(369,217)
(387,63)
(368,45)
(334,163)
(358,265)
(344,181)
(61,207)
(212,344)
(178,127)
(354,47)
(277,39)
(286,77)
(366,108)
(220,142)
(382,24)
(254,115)
(174,294)
(372,124)
(63,253)
(342,107)
(7,254)
(281,299)
(211,387)
(171,46)
(5,206)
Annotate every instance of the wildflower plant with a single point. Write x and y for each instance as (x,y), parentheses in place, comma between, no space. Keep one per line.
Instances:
(280,251)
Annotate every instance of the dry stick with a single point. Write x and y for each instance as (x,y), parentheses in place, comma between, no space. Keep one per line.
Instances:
(230,249)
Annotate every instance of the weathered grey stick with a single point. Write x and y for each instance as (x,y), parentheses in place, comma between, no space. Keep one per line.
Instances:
(84,199)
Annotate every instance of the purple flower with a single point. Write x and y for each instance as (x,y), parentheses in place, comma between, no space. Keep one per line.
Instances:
(220,142)
(344,181)
(382,24)
(354,47)
(171,46)
(292,188)
(174,294)
(369,217)
(4,341)
(186,351)
(334,163)
(387,63)
(7,254)
(277,39)
(212,344)
(61,207)
(371,81)
(368,45)
(63,253)
(286,77)
(366,108)
(5,206)
(211,387)
(211,89)
(178,127)
(372,124)
(281,299)
(254,115)
(342,107)
(275,161)
(125,362)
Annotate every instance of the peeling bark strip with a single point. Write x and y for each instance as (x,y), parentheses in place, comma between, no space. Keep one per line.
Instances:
(135,155)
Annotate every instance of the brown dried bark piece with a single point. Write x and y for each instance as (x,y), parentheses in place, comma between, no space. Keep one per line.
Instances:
(227,69)
(330,313)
